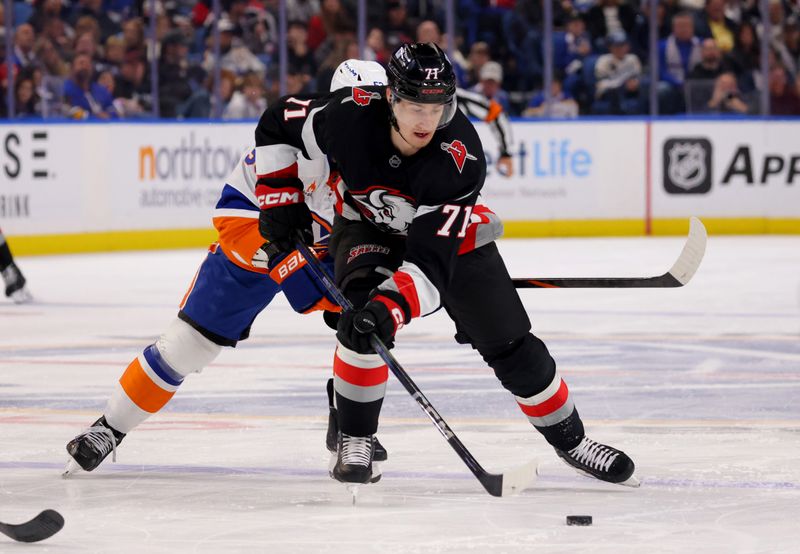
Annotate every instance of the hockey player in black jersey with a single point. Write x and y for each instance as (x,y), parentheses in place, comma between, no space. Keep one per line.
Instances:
(411,170)
(12,276)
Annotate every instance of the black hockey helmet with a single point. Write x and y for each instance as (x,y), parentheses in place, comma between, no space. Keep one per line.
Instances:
(422,73)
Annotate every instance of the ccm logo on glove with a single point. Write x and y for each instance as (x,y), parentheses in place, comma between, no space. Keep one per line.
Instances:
(278,197)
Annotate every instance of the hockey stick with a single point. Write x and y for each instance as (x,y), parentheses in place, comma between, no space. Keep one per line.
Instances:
(495,484)
(681,272)
(42,527)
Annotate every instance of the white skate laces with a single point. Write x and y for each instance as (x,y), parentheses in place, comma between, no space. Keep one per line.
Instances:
(356,450)
(102,440)
(593,454)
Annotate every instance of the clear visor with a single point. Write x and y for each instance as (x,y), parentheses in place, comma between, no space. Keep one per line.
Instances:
(417,113)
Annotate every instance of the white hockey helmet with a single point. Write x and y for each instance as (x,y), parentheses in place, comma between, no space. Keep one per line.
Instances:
(355,73)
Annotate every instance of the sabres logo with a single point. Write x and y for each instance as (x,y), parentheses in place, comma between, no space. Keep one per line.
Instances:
(363,97)
(459,153)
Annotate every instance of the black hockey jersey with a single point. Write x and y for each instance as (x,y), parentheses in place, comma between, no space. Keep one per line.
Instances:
(427,197)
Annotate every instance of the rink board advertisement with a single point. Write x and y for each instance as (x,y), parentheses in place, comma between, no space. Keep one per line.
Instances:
(72,178)
(569,171)
(83,186)
(734,170)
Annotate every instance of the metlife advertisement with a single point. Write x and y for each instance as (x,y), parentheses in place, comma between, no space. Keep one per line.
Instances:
(569,171)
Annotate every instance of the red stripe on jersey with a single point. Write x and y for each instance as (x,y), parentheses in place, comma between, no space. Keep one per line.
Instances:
(548,406)
(290,171)
(405,284)
(359,376)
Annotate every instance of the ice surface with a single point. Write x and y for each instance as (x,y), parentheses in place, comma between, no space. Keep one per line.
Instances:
(700,385)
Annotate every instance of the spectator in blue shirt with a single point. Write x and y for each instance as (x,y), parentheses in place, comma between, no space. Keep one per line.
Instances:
(677,56)
(84,97)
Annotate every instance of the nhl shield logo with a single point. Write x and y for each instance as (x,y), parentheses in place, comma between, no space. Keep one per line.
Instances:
(364,97)
(459,153)
(687,166)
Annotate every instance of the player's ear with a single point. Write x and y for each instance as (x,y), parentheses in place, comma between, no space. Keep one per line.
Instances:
(389,93)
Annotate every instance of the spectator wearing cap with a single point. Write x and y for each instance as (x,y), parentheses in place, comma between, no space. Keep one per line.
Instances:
(256,27)
(618,76)
(24,40)
(248,100)
(677,56)
(235,56)
(712,23)
(608,17)
(491,83)
(84,98)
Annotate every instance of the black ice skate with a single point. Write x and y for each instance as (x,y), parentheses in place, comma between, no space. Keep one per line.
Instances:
(600,461)
(92,446)
(354,461)
(15,284)
(331,438)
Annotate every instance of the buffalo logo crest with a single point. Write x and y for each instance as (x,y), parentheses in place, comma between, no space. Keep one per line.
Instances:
(389,210)
(459,153)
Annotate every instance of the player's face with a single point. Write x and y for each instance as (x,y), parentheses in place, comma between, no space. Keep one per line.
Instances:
(417,122)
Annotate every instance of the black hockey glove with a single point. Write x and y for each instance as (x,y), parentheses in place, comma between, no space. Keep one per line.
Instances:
(284,214)
(382,315)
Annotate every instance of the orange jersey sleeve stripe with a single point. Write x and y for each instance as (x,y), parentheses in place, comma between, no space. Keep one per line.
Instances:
(142,390)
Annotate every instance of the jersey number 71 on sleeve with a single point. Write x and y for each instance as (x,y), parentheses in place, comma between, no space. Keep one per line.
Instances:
(453,211)
(302,111)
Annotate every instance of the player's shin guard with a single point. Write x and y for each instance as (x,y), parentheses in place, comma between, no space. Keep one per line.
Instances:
(359,385)
(145,387)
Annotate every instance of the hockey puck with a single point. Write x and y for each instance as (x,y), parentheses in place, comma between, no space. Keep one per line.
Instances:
(579,520)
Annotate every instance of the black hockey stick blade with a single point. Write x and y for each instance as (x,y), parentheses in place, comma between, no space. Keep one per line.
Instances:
(504,484)
(42,527)
(679,274)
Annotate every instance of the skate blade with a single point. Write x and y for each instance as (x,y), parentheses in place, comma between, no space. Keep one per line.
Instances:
(631,481)
(21,296)
(71,469)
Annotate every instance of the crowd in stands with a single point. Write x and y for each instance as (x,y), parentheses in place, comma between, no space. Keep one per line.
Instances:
(89,59)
